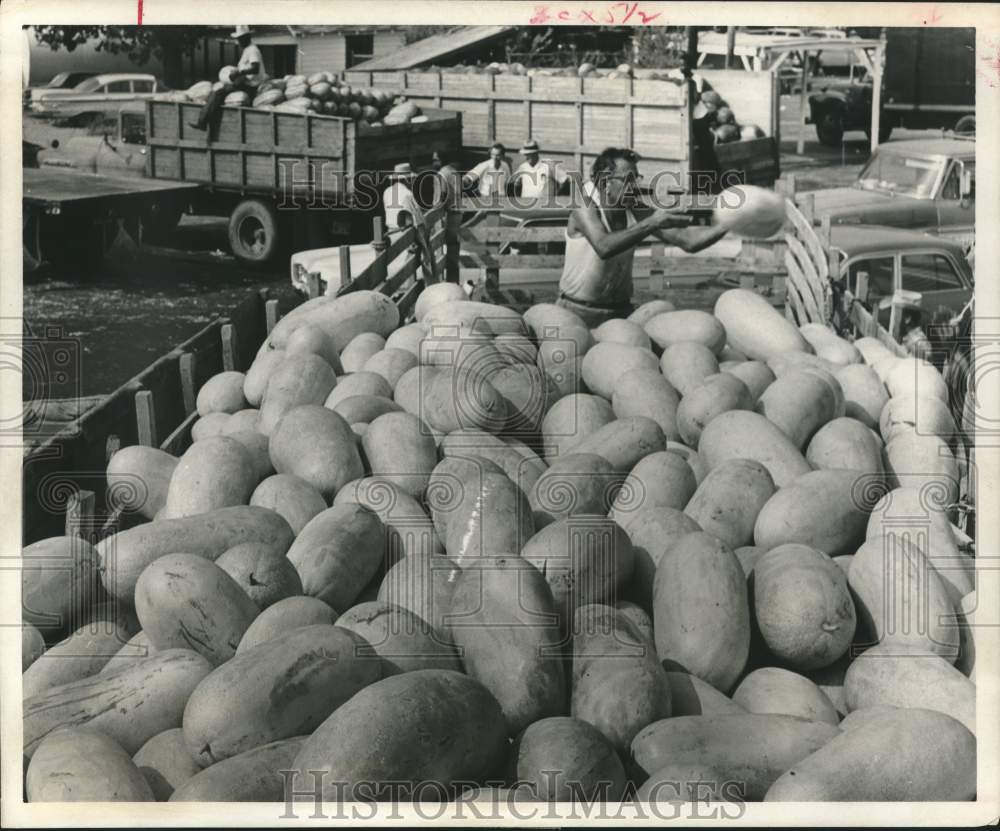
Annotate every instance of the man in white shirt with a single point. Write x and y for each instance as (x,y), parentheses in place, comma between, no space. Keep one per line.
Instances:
(248,75)
(402,210)
(493,175)
(537,177)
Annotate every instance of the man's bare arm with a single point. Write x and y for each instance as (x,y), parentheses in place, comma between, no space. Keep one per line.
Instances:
(692,240)
(607,244)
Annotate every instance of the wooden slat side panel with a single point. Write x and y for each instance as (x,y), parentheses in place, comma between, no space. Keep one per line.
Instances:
(659,132)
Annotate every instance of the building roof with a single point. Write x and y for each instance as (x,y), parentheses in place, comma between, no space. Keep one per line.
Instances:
(434,48)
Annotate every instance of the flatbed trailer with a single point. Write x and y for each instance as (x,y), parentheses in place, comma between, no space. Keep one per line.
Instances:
(71,217)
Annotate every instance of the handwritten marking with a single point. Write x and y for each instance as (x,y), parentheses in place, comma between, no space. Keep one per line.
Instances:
(140,12)
(992,64)
(615,13)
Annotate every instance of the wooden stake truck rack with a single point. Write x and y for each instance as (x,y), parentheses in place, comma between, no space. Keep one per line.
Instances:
(573,119)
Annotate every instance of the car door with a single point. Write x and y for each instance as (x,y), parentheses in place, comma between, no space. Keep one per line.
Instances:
(957,216)
(942,284)
(881,271)
(117,91)
(142,88)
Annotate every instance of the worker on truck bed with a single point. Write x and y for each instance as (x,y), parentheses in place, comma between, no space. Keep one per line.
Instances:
(248,75)
(491,176)
(603,232)
(402,210)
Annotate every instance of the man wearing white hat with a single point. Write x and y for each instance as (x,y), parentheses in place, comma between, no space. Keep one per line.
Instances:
(402,210)
(537,177)
(248,75)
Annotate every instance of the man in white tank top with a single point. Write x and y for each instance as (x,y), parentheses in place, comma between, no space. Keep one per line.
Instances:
(602,234)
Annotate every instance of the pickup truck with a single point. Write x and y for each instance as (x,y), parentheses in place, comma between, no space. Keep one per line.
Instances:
(925,185)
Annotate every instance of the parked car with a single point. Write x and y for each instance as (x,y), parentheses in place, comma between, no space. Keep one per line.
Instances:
(925,184)
(933,270)
(99,92)
(63,80)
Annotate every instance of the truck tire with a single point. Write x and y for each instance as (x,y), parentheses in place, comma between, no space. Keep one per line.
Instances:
(254,232)
(830,128)
(966,125)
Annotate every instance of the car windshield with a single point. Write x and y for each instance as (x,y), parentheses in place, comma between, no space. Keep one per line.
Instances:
(900,174)
(90,85)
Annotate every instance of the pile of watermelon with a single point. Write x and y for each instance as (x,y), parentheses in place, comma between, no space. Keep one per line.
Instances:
(722,120)
(321,92)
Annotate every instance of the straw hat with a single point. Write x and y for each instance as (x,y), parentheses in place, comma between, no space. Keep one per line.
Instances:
(403,170)
(240,32)
(530,146)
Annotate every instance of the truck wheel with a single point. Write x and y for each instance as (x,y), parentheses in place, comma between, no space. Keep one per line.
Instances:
(830,128)
(966,125)
(253,232)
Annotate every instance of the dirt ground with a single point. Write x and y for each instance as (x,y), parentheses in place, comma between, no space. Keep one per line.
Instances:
(115,323)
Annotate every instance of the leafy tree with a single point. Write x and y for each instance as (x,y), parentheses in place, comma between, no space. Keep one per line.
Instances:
(168,44)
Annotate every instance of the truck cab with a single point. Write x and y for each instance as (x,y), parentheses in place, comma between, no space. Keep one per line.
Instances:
(926,185)
(114,146)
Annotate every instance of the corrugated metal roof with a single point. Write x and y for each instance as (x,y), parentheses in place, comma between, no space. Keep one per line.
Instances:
(435,47)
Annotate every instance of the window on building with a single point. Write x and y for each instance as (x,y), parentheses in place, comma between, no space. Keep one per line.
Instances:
(279,60)
(360,48)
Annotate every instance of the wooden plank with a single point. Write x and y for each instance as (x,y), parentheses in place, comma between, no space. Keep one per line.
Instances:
(186,366)
(408,298)
(180,439)
(145,418)
(812,284)
(272,314)
(229,347)
(487,234)
(802,301)
(405,272)
(80,514)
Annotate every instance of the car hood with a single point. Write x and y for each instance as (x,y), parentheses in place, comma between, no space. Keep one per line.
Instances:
(853,205)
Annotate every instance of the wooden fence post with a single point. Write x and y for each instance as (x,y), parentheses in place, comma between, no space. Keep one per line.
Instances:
(380,244)
(271,315)
(145,416)
(186,366)
(453,246)
(345,268)
(491,274)
(229,347)
(80,515)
